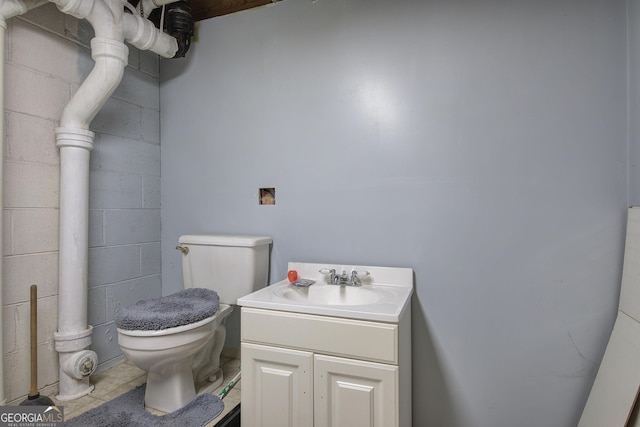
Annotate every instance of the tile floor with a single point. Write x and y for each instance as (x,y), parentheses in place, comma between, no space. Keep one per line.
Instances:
(121,378)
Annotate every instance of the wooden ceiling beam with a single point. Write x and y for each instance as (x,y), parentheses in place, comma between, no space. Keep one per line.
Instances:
(205,9)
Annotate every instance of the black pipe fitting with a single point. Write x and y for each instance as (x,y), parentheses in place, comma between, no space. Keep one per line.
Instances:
(180,25)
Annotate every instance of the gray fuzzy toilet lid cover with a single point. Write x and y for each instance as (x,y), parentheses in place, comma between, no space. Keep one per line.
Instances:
(181,308)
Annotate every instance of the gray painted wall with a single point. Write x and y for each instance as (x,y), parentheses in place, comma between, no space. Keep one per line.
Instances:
(482,143)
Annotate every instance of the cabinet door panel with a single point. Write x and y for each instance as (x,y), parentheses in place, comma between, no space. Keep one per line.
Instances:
(277,387)
(352,393)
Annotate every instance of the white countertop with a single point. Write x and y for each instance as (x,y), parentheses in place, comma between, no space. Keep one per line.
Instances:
(383,296)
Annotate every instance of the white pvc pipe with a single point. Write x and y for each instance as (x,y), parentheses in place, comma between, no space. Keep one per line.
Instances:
(110,58)
(76,142)
(111,27)
(73,334)
(142,34)
(74,179)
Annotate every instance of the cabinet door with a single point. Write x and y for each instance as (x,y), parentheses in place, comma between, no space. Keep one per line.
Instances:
(277,387)
(353,393)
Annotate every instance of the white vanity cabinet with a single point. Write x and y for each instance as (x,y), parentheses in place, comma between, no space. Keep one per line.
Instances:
(302,370)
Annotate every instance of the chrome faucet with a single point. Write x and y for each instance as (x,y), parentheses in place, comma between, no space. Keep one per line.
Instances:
(344,279)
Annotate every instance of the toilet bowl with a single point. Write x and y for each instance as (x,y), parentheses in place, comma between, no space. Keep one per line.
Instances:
(178,339)
(168,356)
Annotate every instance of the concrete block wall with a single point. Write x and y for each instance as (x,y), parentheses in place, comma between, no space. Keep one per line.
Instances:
(47,58)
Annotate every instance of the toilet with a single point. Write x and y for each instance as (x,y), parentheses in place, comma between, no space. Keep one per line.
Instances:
(178,338)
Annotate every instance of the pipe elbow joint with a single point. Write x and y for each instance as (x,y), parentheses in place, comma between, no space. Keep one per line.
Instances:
(77,8)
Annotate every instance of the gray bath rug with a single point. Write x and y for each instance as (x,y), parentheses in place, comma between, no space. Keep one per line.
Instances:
(128,411)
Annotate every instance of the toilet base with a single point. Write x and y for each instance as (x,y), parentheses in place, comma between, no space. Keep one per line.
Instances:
(210,384)
(172,389)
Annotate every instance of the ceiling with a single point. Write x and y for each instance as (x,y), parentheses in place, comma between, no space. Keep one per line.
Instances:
(205,9)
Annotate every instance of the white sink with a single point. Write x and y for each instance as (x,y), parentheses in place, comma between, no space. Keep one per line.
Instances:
(324,294)
(383,296)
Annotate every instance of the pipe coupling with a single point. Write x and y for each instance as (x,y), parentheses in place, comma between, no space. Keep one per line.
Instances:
(110,48)
(142,34)
(145,33)
(68,343)
(73,137)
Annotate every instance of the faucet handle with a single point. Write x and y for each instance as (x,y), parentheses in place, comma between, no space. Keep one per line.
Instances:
(360,273)
(356,276)
(331,272)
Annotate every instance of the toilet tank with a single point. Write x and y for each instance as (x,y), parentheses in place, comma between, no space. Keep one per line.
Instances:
(231,265)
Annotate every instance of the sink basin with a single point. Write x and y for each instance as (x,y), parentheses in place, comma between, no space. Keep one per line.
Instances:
(384,296)
(324,294)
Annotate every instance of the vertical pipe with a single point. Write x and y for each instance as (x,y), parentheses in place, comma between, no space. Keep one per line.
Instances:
(75,141)
(74,229)
(73,335)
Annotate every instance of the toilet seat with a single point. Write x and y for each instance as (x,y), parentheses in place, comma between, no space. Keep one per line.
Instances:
(222,309)
(185,307)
